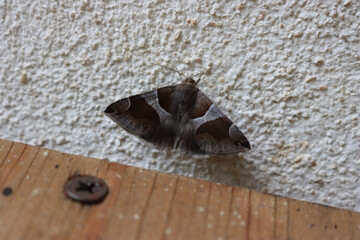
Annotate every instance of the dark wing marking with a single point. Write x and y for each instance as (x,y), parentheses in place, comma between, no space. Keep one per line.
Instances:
(202,105)
(166,98)
(215,133)
(133,114)
(144,116)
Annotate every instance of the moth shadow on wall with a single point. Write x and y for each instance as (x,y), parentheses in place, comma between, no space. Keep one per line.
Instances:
(232,170)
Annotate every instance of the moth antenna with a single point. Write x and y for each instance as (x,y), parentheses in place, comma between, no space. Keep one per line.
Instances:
(201,74)
(174,70)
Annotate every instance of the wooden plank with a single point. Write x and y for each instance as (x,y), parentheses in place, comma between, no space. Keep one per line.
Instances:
(41,174)
(54,200)
(355,225)
(239,214)
(281,218)
(180,209)
(212,211)
(260,224)
(136,204)
(186,205)
(155,218)
(143,204)
(92,223)
(10,161)
(224,214)
(320,222)
(117,215)
(4,150)
(75,214)
(18,181)
(199,212)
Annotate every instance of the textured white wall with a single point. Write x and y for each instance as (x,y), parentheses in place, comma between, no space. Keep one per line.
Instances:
(286,72)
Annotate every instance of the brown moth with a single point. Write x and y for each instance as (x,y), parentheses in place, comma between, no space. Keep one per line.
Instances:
(179,116)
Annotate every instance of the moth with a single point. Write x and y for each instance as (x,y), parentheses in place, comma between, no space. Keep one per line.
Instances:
(181,117)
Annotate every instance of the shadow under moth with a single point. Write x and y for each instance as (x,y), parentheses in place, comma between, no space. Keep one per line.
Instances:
(179,116)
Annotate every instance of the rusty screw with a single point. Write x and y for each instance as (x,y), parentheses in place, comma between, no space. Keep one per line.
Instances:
(86,189)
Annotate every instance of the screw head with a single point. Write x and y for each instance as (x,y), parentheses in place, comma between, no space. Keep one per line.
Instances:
(86,189)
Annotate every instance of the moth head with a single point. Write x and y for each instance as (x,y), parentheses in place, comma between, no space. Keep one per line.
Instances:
(191,81)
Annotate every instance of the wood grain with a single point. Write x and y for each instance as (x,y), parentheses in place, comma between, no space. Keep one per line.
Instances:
(144,204)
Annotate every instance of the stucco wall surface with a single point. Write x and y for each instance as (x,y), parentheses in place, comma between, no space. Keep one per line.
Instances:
(286,72)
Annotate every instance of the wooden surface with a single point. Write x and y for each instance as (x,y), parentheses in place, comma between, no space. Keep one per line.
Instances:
(143,204)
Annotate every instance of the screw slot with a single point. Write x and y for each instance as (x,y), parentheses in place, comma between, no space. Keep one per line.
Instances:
(85,186)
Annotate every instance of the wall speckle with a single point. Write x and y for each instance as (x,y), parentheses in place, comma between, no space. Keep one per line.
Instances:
(286,72)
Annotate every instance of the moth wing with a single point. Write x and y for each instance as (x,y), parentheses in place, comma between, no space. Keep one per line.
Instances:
(143,115)
(215,133)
